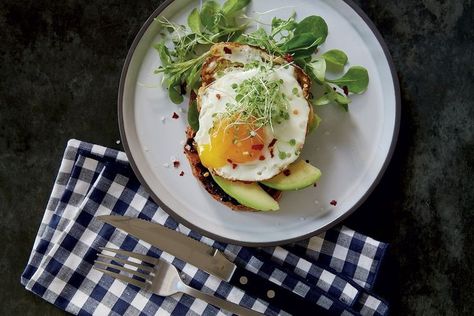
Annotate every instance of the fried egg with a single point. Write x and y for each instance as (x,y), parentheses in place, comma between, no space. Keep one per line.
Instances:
(236,139)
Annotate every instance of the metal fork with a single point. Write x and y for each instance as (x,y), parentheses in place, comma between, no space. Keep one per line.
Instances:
(162,279)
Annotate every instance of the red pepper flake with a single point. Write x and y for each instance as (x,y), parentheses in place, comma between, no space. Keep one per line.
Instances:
(257,147)
(271,152)
(286,172)
(234,165)
(346,90)
(227,50)
(175,115)
(333,202)
(218,96)
(261,158)
(272,143)
(176,163)
(288,58)
(229,161)
(181,173)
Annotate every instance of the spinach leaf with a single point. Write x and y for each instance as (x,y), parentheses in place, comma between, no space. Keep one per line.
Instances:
(302,42)
(280,25)
(194,21)
(356,79)
(174,92)
(209,15)
(258,38)
(335,59)
(330,95)
(314,25)
(231,7)
(163,52)
(324,99)
(193,116)
(342,99)
(318,68)
(193,77)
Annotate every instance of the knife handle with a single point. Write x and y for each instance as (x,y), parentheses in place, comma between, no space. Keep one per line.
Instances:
(277,296)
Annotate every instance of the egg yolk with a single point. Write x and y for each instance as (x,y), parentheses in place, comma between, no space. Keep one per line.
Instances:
(232,144)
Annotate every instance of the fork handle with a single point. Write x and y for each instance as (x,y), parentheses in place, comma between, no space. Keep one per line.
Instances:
(218,302)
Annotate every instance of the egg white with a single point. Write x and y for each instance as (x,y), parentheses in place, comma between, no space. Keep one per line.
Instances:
(292,129)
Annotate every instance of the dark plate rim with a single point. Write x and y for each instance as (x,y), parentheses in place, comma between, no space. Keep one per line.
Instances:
(180,219)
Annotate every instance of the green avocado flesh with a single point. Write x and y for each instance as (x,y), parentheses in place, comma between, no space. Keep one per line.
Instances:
(248,194)
(300,175)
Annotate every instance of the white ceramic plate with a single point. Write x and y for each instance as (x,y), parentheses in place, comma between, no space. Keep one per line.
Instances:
(351,149)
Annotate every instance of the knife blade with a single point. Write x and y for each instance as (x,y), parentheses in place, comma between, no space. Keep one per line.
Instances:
(214,262)
(187,249)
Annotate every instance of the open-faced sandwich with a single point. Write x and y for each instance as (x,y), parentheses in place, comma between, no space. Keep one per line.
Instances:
(251,104)
(254,115)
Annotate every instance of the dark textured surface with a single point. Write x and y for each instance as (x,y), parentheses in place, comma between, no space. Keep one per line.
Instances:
(60,70)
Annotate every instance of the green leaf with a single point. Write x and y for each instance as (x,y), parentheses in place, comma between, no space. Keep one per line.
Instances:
(194,21)
(231,7)
(174,92)
(164,53)
(312,24)
(356,79)
(323,100)
(335,59)
(193,77)
(235,36)
(302,42)
(342,99)
(193,116)
(258,38)
(209,15)
(279,25)
(318,67)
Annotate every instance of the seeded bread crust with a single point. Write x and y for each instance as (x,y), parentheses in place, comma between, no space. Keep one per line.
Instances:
(215,62)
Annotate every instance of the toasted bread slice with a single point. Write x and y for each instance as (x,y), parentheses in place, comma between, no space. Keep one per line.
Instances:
(218,61)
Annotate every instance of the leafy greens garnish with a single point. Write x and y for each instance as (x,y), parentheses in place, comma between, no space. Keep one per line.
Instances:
(184,49)
(300,41)
(181,64)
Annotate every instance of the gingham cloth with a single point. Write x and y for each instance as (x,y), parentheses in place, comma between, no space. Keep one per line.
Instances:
(336,269)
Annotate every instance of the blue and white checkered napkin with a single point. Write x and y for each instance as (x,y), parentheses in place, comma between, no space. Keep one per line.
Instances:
(336,269)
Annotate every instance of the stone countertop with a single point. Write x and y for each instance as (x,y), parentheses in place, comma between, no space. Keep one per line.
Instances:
(61,63)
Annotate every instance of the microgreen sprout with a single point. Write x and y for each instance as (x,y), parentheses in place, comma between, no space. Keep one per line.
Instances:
(258,101)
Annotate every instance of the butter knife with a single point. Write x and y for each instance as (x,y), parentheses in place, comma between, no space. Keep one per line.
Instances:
(214,262)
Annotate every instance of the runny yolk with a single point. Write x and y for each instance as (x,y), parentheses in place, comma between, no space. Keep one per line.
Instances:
(232,144)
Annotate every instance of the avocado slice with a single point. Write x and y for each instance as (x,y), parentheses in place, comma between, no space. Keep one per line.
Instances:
(300,175)
(248,194)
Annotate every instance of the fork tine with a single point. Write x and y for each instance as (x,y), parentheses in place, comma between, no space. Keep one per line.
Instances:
(132,254)
(133,272)
(124,261)
(123,278)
